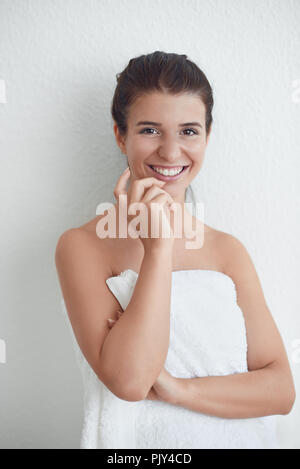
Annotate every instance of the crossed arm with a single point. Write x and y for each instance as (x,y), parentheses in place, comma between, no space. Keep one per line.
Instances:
(267,388)
(257,393)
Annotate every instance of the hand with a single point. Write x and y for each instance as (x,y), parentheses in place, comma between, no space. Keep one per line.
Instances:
(147,191)
(166,385)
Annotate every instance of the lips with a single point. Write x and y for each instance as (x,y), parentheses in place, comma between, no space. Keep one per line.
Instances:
(175,169)
(167,178)
(167,167)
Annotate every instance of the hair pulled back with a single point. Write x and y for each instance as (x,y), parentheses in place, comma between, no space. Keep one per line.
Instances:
(159,71)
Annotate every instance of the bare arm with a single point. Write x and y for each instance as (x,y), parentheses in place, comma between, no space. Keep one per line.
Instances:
(256,393)
(136,348)
(267,388)
(127,358)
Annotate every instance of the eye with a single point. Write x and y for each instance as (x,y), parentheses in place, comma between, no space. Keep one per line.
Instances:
(195,131)
(143,131)
(150,128)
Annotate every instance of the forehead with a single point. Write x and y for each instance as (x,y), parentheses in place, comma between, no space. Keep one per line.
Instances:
(164,107)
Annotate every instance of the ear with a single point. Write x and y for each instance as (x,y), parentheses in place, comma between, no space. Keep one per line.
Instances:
(119,139)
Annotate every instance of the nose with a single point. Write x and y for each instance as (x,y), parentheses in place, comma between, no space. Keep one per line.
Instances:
(169,150)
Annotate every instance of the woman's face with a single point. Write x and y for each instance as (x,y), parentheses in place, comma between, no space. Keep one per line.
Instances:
(165,142)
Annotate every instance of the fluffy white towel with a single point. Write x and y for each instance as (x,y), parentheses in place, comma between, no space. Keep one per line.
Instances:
(207,338)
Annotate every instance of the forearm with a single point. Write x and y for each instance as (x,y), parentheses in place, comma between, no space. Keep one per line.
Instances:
(243,395)
(137,346)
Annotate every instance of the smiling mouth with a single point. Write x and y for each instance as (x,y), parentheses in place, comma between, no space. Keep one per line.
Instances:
(166,171)
(165,175)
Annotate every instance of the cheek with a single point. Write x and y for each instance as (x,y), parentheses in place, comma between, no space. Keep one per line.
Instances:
(196,146)
(197,151)
(197,157)
(139,149)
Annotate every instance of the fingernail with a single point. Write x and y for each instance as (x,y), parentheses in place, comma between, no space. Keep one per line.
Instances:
(111,321)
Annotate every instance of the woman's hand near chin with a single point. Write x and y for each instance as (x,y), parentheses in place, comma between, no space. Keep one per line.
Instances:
(147,191)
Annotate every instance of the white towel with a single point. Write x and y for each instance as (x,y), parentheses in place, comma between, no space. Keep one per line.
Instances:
(207,338)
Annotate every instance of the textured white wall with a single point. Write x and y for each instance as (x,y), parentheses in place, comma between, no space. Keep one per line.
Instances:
(59,159)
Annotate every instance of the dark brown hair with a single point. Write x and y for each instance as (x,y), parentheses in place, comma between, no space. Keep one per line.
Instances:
(159,71)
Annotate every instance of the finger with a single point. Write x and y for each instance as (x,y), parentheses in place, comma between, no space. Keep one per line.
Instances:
(154,191)
(120,187)
(156,203)
(119,314)
(139,187)
(160,200)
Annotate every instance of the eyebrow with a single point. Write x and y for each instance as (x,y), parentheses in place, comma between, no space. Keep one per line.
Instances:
(158,124)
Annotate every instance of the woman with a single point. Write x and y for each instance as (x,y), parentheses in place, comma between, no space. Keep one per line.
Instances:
(177,346)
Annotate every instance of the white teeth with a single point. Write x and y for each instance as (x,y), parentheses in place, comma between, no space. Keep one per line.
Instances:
(168,172)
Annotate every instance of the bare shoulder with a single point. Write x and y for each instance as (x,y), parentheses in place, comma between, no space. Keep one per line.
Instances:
(222,247)
(238,265)
(85,234)
(237,261)
(83,244)
(229,248)
(73,237)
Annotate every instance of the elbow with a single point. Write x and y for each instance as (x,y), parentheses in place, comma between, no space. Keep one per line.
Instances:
(131,394)
(288,402)
(122,390)
(284,391)
(123,384)
(134,392)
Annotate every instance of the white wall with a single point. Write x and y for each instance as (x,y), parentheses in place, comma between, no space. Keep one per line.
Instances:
(59,159)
